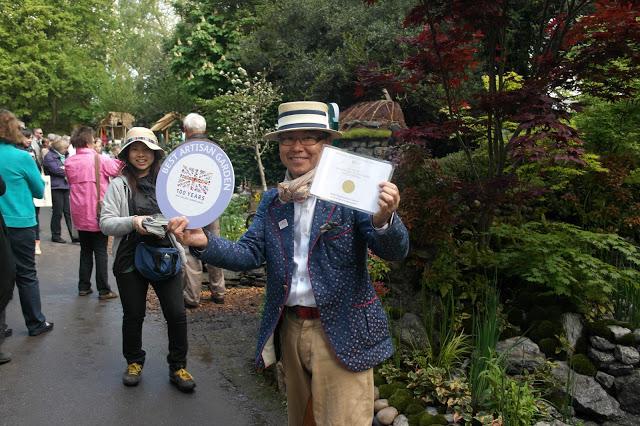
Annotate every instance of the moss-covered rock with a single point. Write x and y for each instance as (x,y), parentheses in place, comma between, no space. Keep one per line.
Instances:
(601,328)
(427,419)
(388,389)
(400,399)
(548,346)
(581,345)
(414,419)
(413,408)
(545,330)
(581,364)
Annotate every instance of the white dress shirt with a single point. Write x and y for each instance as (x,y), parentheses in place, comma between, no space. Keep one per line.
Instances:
(301,292)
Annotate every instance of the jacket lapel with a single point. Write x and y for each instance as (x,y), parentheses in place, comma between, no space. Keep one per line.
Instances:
(282,216)
(323,212)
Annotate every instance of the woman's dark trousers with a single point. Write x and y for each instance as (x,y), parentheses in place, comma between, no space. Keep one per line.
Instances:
(133,295)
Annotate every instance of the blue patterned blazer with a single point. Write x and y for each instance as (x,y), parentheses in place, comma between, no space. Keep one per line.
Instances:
(351,313)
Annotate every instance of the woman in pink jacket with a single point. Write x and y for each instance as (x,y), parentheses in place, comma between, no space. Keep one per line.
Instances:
(81,170)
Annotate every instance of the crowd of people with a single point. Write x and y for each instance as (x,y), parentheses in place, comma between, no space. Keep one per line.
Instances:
(321,318)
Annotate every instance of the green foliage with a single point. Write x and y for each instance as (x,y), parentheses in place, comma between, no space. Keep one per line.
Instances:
(378,268)
(312,49)
(611,127)
(435,385)
(244,114)
(205,46)
(413,408)
(51,59)
(516,401)
(581,364)
(626,301)
(585,266)
(486,333)
(362,133)
(232,221)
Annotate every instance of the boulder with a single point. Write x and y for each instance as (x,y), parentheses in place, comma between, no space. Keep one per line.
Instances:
(552,423)
(410,330)
(606,380)
(618,332)
(401,420)
(432,410)
(387,415)
(601,343)
(522,354)
(573,327)
(379,404)
(636,334)
(618,369)
(628,389)
(589,398)
(600,357)
(626,420)
(626,354)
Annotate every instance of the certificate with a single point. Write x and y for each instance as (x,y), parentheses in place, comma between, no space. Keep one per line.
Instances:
(197,181)
(349,179)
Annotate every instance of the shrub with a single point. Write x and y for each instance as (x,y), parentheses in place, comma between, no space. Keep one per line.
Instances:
(400,399)
(395,312)
(378,380)
(581,364)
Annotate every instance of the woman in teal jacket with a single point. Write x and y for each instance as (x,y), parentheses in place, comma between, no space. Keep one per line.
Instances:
(23,183)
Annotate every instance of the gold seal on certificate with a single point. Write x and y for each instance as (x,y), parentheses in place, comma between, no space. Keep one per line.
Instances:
(349,179)
(348,186)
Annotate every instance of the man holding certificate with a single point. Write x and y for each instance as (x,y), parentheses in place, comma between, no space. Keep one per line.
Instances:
(321,315)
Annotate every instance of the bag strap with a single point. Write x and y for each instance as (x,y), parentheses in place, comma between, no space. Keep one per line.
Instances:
(97,167)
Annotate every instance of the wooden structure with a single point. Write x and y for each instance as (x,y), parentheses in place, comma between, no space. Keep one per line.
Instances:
(383,114)
(164,124)
(115,125)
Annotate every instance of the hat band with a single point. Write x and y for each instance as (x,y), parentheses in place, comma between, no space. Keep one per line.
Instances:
(141,139)
(302,111)
(298,125)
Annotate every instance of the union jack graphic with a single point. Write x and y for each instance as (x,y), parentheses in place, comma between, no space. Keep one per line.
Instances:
(195,180)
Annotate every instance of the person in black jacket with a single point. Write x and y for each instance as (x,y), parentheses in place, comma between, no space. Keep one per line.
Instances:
(7,265)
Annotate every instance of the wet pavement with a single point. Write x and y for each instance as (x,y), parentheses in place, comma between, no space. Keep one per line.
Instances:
(72,375)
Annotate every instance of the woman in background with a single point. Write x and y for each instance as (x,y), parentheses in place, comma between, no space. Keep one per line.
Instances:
(23,183)
(53,164)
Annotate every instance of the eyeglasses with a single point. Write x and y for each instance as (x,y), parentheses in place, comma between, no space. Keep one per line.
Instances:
(304,140)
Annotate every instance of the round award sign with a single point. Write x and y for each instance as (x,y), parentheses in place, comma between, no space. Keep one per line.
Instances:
(196,180)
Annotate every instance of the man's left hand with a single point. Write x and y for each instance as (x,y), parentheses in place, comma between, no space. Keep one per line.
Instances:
(388,200)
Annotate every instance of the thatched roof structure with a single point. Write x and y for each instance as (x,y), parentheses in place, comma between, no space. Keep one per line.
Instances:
(383,114)
(116,124)
(166,121)
(164,124)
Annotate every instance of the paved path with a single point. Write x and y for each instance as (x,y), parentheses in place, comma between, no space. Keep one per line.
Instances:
(72,375)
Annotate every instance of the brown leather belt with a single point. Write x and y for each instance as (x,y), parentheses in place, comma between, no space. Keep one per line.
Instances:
(304,312)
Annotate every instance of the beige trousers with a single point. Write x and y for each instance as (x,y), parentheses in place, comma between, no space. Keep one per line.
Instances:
(192,274)
(314,378)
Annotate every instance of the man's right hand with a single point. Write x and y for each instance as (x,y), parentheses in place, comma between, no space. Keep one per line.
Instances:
(195,238)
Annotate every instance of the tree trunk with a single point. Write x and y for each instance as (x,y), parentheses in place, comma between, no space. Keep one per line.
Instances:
(263,179)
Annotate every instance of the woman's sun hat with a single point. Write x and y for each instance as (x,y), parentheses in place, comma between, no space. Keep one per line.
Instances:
(139,134)
(303,115)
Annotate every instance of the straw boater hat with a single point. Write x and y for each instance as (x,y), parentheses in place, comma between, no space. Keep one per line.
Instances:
(304,115)
(139,134)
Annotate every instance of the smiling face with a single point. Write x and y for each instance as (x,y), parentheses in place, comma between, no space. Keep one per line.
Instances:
(296,155)
(141,158)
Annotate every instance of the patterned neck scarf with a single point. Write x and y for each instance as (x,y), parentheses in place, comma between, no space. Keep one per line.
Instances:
(297,189)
